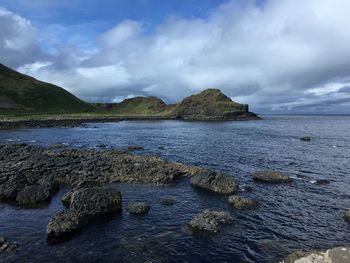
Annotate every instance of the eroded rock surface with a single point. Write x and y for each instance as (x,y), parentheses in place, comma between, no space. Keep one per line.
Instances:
(271,177)
(241,203)
(334,255)
(138,208)
(210,221)
(214,182)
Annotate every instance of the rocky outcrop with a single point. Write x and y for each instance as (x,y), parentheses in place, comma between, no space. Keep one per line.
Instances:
(138,208)
(85,205)
(241,203)
(306,138)
(210,221)
(271,177)
(334,255)
(7,247)
(214,182)
(167,201)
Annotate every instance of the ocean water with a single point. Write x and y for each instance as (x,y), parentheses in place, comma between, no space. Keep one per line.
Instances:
(300,215)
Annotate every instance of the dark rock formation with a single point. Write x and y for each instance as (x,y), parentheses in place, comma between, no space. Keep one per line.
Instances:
(138,208)
(214,182)
(167,201)
(33,195)
(209,221)
(347,216)
(322,182)
(63,225)
(271,177)
(135,148)
(306,138)
(241,203)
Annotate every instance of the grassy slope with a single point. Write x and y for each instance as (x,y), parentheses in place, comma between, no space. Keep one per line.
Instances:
(21,93)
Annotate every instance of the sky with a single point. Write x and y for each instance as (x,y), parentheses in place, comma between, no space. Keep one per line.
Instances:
(290,56)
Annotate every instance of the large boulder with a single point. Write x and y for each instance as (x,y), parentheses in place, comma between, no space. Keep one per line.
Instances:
(214,182)
(138,208)
(63,225)
(96,201)
(33,195)
(209,221)
(271,177)
(241,203)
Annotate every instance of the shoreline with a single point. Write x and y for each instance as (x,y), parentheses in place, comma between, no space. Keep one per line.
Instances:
(81,121)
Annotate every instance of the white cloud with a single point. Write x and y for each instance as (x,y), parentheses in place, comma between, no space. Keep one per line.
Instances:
(283,55)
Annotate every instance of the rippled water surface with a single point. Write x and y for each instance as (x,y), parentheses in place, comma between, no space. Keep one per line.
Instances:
(294,216)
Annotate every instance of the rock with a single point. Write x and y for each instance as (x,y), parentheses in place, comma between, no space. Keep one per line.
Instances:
(322,182)
(209,221)
(246,189)
(10,188)
(57,145)
(347,216)
(334,255)
(63,225)
(33,195)
(241,203)
(138,208)
(96,201)
(214,182)
(271,177)
(66,199)
(135,148)
(305,138)
(6,247)
(167,201)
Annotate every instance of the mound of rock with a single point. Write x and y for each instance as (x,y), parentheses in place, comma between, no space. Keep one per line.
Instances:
(271,177)
(138,208)
(63,225)
(210,221)
(6,247)
(85,205)
(214,182)
(241,203)
(334,255)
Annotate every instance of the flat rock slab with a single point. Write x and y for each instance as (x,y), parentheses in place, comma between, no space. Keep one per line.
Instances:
(214,182)
(210,221)
(272,177)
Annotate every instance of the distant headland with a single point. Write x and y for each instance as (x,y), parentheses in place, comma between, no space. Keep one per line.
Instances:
(29,102)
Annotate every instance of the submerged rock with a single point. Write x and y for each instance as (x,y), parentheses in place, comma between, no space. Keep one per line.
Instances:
(334,255)
(306,138)
(167,201)
(63,225)
(210,221)
(241,203)
(214,182)
(138,208)
(322,182)
(271,177)
(135,148)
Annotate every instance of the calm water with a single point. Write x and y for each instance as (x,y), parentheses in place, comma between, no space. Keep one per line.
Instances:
(294,216)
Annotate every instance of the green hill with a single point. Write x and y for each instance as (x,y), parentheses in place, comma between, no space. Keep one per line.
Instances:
(135,106)
(21,93)
(211,104)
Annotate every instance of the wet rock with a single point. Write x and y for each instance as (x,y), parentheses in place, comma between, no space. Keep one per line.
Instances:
(347,216)
(7,247)
(138,208)
(10,188)
(168,201)
(135,148)
(66,199)
(63,225)
(306,138)
(334,255)
(322,182)
(214,182)
(33,195)
(271,177)
(92,202)
(241,203)
(210,221)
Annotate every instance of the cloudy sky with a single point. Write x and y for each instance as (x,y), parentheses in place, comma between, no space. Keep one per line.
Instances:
(277,55)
